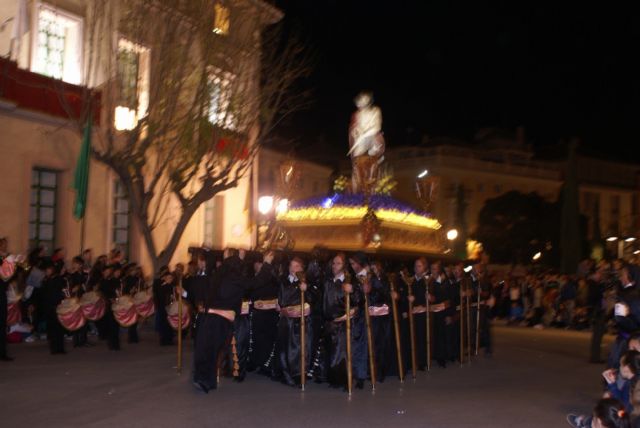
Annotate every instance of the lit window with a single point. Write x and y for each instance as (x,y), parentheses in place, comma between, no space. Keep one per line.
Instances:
(220,94)
(133,78)
(58,45)
(221,19)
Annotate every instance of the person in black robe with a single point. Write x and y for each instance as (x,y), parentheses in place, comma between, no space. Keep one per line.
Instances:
(264,318)
(131,284)
(288,347)
(53,287)
(222,304)
(418,297)
(441,315)
(480,283)
(77,282)
(317,271)
(3,305)
(456,287)
(196,287)
(359,264)
(162,294)
(382,323)
(110,286)
(335,327)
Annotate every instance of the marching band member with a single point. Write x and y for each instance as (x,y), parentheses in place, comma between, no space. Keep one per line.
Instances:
(53,288)
(131,284)
(77,279)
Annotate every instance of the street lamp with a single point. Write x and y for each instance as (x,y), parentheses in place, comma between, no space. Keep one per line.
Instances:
(452,234)
(536,256)
(423,173)
(265,204)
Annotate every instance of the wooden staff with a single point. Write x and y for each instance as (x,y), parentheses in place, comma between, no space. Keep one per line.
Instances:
(347,309)
(179,367)
(468,302)
(396,327)
(303,365)
(370,344)
(478,322)
(412,332)
(428,326)
(461,323)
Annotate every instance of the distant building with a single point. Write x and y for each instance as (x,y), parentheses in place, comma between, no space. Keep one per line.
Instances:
(499,162)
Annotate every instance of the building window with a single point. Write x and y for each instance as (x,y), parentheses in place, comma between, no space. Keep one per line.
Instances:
(221,19)
(213,219)
(57,49)
(42,212)
(133,78)
(121,215)
(221,109)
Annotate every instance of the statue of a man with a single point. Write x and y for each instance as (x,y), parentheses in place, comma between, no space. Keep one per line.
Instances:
(366,143)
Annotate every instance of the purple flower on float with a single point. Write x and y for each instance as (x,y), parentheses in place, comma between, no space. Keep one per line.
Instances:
(376,202)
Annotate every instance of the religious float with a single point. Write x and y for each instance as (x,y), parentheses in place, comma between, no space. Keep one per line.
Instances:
(361,214)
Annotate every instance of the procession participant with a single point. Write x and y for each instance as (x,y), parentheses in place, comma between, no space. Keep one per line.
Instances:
(439,295)
(222,304)
(264,322)
(419,300)
(77,279)
(381,323)
(109,287)
(360,266)
(53,287)
(132,283)
(335,290)
(479,294)
(317,271)
(4,283)
(195,288)
(289,340)
(457,276)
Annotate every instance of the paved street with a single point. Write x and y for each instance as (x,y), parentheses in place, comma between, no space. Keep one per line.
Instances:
(534,378)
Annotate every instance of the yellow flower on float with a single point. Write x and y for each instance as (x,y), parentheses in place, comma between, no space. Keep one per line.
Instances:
(356,213)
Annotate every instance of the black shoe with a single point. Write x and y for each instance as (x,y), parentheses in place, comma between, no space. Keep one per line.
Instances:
(6,358)
(360,384)
(201,387)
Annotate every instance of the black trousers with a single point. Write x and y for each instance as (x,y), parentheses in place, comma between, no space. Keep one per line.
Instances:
(132,334)
(214,334)
(55,334)
(80,336)
(113,330)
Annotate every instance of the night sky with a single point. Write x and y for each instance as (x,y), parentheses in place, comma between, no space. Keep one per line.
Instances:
(447,69)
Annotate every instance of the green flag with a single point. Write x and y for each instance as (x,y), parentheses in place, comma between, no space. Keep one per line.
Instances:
(81,178)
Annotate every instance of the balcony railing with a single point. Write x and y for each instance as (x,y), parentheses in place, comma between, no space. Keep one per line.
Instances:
(39,93)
